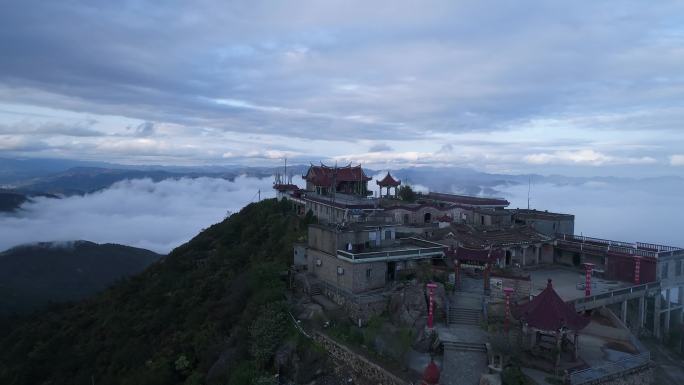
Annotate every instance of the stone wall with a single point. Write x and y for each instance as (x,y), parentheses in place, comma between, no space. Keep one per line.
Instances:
(356,309)
(522,287)
(362,367)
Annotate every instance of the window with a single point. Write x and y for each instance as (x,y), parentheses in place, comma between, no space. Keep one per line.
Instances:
(663,272)
(369,273)
(678,269)
(388,234)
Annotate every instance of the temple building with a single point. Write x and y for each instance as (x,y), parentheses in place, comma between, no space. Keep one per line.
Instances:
(326,180)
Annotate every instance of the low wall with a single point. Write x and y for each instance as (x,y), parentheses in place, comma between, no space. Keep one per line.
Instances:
(522,287)
(361,365)
(360,308)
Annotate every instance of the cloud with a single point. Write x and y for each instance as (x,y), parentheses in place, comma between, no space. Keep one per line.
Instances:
(610,210)
(380,147)
(29,128)
(584,157)
(677,160)
(324,77)
(145,129)
(154,215)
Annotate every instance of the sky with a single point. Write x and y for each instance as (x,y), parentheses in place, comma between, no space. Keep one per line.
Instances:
(576,87)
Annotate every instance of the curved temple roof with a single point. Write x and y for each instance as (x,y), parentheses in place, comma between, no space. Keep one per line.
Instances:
(324,175)
(547,311)
(388,181)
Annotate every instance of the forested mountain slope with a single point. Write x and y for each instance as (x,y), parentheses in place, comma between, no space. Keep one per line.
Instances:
(213,305)
(33,275)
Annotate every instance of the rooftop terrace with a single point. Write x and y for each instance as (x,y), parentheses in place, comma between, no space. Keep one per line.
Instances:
(405,249)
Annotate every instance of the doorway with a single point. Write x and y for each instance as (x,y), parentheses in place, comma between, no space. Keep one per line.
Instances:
(391,271)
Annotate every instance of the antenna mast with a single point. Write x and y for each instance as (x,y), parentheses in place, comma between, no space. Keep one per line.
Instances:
(529,189)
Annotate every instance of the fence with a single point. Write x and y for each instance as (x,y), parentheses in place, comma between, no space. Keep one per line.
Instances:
(612,369)
(420,248)
(592,301)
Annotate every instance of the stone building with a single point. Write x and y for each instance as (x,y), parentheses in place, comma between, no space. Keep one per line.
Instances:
(359,257)
(546,222)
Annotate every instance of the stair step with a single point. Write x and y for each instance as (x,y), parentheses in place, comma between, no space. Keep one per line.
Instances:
(465,346)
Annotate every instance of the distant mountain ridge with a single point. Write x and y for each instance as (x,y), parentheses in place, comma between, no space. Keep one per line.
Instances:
(34,275)
(11,200)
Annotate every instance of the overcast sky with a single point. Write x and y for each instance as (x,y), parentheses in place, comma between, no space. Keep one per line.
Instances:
(575,87)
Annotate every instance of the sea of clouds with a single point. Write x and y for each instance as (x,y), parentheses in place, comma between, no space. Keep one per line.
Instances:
(162,215)
(153,215)
(644,211)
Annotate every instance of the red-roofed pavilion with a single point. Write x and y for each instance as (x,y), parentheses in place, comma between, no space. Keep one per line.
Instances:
(388,182)
(547,320)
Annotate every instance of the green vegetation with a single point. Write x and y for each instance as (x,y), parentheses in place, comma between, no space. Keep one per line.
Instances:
(407,194)
(214,305)
(34,275)
(512,375)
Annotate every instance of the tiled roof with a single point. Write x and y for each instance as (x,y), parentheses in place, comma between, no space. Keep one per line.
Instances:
(285,187)
(388,181)
(484,255)
(547,311)
(323,175)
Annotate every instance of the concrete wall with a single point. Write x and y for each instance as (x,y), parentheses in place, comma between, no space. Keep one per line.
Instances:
(670,269)
(322,239)
(353,277)
(327,270)
(550,227)
(417,217)
(326,213)
(299,254)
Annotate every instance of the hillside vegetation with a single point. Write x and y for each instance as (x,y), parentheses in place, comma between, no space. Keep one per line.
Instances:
(213,306)
(33,275)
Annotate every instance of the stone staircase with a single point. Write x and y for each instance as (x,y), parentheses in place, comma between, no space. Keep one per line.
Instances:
(463,316)
(315,289)
(465,309)
(464,346)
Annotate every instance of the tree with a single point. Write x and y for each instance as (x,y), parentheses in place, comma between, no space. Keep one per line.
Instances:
(267,332)
(407,194)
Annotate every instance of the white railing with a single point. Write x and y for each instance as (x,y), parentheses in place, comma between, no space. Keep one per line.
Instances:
(587,301)
(610,369)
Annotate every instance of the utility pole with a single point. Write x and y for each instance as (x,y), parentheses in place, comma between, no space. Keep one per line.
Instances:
(259,192)
(529,189)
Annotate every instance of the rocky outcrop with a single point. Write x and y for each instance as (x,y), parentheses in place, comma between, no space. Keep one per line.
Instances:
(300,365)
(408,305)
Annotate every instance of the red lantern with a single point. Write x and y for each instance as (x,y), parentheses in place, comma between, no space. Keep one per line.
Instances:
(431,305)
(507,311)
(587,284)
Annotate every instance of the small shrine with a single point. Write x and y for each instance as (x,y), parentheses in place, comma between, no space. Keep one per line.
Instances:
(389,182)
(550,326)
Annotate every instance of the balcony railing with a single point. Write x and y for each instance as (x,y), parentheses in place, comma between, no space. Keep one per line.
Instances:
(612,369)
(590,302)
(589,244)
(414,249)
